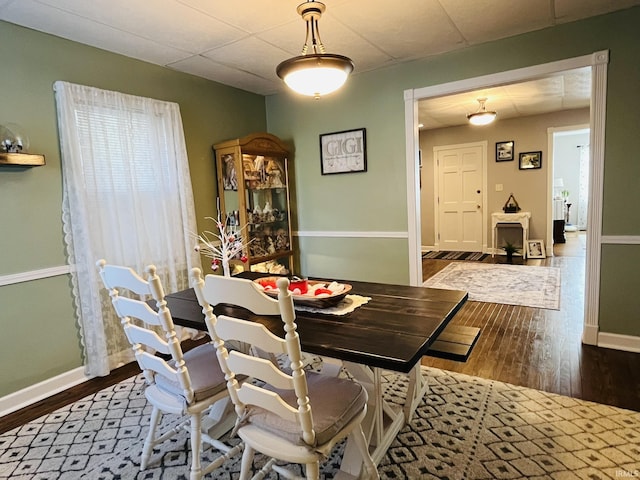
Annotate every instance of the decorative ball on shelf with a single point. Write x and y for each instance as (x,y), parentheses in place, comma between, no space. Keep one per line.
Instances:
(13,138)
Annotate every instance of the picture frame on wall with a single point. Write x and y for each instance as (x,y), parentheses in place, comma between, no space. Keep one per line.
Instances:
(535,249)
(530,160)
(343,152)
(504,151)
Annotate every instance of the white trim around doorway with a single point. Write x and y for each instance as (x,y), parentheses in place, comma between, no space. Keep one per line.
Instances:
(598,61)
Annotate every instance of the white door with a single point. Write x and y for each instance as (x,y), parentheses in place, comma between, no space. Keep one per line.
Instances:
(459,197)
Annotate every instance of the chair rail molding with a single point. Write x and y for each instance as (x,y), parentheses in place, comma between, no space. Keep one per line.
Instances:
(620,239)
(347,234)
(39,274)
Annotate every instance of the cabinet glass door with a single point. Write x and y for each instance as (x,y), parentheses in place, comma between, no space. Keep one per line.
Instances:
(267,205)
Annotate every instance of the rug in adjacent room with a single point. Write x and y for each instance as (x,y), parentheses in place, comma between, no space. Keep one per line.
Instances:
(465,428)
(525,285)
(469,256)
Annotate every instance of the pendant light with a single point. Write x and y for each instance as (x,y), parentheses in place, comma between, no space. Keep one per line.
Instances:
(316,73)
(482,116)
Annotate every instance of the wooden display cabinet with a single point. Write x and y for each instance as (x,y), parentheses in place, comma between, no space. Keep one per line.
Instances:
(253,186)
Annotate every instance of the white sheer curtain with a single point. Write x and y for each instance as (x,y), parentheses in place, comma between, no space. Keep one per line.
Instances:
(127,198)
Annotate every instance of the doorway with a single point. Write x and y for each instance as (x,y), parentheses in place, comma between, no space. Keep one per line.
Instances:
(598,62)
(569,147)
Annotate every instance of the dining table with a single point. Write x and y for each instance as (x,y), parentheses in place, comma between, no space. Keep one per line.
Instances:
(392,330)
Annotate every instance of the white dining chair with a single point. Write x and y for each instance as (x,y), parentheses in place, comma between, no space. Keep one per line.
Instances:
(287,414)
(185,384)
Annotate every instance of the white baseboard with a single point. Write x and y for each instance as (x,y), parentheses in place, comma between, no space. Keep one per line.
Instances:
(590,335)
(616,341)
(30,395)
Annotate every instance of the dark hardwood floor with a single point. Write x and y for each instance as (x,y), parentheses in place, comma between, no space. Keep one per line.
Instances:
(542,349)
(531,347)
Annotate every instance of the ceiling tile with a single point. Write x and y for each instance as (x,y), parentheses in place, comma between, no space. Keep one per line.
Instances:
(56,22)
(492,19)
(167,22)
(250,54)
(206,68)
(252,16)
(416,28)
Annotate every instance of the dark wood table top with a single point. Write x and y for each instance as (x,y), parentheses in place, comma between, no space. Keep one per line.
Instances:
(392,331)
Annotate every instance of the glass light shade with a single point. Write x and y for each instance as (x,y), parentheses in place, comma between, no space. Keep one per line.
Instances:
(481,118)
(316,74)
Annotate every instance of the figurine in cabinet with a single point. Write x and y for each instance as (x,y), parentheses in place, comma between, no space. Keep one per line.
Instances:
(274,172)
(230,175)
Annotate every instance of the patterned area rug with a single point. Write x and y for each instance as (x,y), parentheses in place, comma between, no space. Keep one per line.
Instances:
(465,428)
(472,256)
(496,283)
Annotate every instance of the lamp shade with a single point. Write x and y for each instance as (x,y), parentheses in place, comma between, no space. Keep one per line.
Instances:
(315,74)
(482,116)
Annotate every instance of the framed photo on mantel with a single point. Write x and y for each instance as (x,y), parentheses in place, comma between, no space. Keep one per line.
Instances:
(343,152)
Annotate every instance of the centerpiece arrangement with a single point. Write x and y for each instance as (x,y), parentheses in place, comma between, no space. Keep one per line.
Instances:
(314,293)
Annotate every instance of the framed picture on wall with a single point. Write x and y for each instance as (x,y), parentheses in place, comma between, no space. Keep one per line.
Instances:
(343,152)
(530,160)
(504,151)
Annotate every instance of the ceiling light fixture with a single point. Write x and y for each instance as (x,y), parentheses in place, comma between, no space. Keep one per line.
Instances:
(316,73)
(482,116)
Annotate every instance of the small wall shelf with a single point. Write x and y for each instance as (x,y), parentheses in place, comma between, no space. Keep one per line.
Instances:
(21,160)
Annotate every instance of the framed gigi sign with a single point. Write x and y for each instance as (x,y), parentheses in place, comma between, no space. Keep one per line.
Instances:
(343,152)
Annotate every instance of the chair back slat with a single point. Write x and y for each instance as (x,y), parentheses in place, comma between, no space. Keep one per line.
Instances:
(255,334)
(115,276)
(147,337)
(259,368)
(251,395)
(237,291)
(130,307)
(156,365)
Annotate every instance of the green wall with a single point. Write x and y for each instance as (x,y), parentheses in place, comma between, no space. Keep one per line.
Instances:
(376,200)
(37,317)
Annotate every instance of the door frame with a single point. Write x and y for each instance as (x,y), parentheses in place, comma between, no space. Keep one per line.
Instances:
(551,132)
(598,62)
(436,188)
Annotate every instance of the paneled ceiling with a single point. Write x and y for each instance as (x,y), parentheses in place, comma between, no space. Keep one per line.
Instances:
(239,43)
(562,91)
